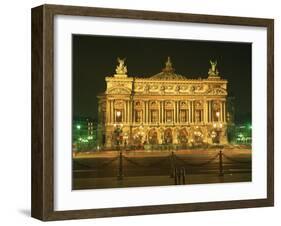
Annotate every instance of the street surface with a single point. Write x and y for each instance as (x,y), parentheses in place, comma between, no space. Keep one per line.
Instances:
(157,168)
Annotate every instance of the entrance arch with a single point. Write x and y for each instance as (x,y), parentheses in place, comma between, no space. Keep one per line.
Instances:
(183,137)
(168,136)
(198,136)
(152,137)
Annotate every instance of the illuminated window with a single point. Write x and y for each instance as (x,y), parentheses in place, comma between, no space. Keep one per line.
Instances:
(198,116)
(138,116)
(183,116)
(154,116)
(169,116)
(118,116)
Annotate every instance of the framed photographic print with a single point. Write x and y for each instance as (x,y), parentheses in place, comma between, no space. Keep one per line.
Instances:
(141,112)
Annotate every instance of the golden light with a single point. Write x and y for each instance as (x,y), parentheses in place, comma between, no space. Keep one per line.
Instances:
(118,113)
(217,114)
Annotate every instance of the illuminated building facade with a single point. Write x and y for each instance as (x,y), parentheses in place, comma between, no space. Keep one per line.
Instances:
(164,109)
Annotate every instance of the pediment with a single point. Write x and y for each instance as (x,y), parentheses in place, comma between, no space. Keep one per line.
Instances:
(118,90)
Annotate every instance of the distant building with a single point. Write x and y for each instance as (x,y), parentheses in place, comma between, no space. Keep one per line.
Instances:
(166,108)
(243,134)
(84,133)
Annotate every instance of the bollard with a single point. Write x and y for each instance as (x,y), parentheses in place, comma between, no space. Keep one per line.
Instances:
(120,171)
(172,165)
(220,164)
(179,176)
(183,175)
(175,176)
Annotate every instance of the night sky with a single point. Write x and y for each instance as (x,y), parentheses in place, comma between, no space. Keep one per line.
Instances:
(94,58)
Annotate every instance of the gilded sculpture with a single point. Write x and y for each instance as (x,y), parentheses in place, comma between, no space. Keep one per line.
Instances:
(213,71)
(121,69)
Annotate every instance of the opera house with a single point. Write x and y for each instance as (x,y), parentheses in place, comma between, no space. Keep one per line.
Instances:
(163,109)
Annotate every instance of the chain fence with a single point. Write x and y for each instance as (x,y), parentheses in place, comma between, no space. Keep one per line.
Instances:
(153,164)
(236,160)
(109,162)
(185,162)
(176,164)
(103,165)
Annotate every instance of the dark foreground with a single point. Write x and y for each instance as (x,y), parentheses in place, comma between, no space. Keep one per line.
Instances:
(139,168)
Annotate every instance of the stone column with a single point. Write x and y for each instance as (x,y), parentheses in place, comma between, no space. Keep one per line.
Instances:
(124,112)
(190,105)
(207,112)
(133,112)
(130,111)
(147,112)
(144,113)
(221,112)
(210,111)
(107,111)
(159,109)
(176,119)
(162,112)
(177,111)
(174,115)
(189,111)
(112,112)
(147,103)
(224,112)
(192,111)
(127,107)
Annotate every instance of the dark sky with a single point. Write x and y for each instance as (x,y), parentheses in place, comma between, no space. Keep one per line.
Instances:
(94,58)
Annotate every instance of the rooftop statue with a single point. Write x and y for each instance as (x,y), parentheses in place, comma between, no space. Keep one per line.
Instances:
(213,71)
(168,73)
(121,68)
(168,66)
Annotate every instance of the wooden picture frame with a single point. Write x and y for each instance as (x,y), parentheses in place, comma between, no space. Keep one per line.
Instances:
(43,110)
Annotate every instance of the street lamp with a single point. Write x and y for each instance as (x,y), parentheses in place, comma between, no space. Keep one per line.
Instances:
(216,133)
(218,115)
(78,127)
(118,132)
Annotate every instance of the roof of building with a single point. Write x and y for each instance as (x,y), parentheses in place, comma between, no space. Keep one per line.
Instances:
(168,76)
(168,73)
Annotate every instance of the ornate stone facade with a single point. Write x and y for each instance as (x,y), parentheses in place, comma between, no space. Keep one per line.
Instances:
(166,108)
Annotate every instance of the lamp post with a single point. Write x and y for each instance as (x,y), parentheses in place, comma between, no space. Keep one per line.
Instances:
(118,128)
(118,134)
(216,133)
(118,137)
(78,127)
